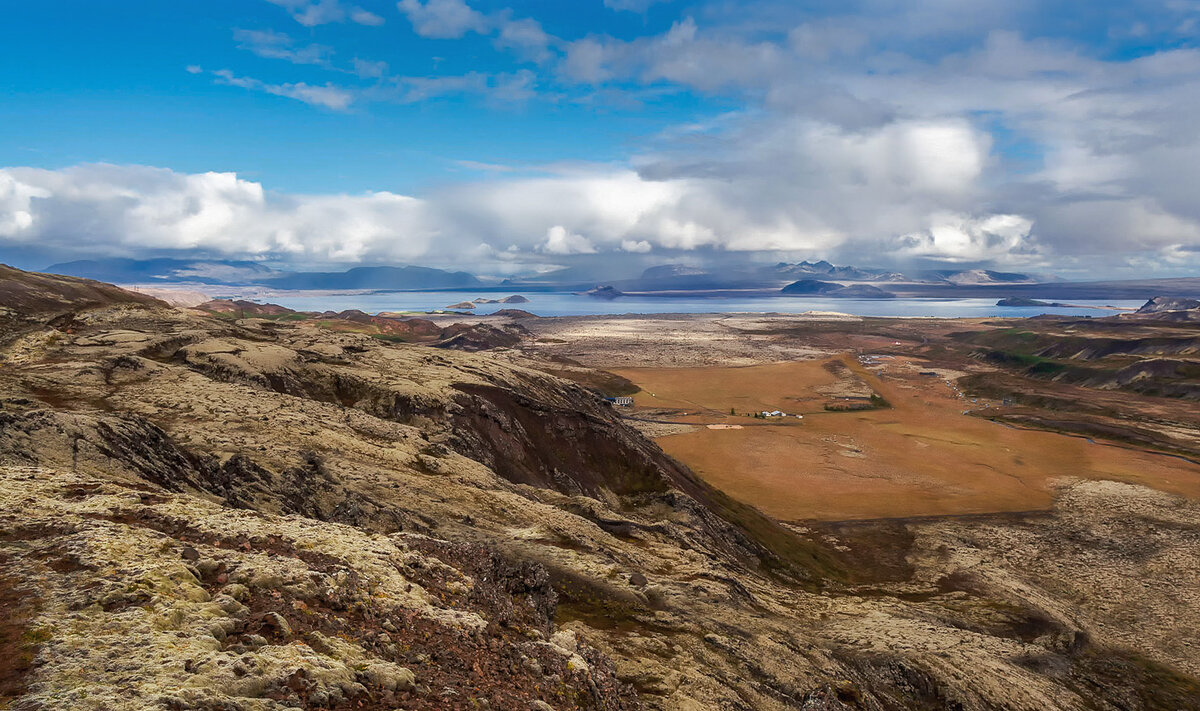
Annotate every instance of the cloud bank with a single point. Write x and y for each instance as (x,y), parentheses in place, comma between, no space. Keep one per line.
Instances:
(107,209)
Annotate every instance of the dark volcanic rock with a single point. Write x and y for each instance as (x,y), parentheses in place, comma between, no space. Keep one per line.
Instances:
(243,308)
(606,293)
(1022,302)
(813,287)
(480,337)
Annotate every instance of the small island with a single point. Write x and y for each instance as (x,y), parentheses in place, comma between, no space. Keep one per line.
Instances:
(606,293)
(1021,301)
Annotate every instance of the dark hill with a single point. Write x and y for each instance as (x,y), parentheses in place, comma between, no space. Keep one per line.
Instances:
(813,287)
(375,278)
(30,293)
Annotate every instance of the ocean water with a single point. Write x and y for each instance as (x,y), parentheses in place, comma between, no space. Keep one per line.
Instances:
(566,304)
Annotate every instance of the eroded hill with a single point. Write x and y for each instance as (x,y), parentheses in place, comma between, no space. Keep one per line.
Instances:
(206,513)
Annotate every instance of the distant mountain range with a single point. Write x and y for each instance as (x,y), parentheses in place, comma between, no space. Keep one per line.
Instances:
(136,271)
(376,278)
(665,277)
(236,273)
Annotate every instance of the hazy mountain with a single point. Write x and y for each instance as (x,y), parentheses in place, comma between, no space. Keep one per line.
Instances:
(142,271)
(375,278)
(133,271)
(974,277)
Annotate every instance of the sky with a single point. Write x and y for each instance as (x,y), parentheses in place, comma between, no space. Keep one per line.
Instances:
(509,137)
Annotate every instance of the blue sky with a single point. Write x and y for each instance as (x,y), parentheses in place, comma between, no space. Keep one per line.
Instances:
(108,82)
(513,136)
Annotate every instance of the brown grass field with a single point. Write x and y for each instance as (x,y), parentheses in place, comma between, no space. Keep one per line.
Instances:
(922,456)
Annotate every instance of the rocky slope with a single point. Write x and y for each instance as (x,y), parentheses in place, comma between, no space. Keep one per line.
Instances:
(207,513)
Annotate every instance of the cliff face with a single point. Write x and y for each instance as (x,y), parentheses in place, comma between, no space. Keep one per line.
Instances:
(210,514)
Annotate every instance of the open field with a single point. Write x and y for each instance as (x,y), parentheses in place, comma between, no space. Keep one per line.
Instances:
(967,432)
(920,457)
(797,387)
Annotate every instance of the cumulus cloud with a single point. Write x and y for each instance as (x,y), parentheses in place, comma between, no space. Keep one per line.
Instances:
(133,209)
(561,241)
(526,38)
(961,238)
(443,19)
(105,209)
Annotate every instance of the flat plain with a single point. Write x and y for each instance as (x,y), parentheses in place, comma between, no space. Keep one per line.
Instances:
(923,447)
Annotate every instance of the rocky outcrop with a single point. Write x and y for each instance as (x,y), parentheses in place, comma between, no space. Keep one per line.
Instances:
(1159,304)
(154,600)
(242,308)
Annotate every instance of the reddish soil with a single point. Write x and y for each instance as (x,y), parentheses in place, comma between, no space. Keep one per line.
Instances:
(922,456)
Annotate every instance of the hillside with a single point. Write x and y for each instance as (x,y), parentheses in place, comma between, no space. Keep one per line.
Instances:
(29,293)
(212,513)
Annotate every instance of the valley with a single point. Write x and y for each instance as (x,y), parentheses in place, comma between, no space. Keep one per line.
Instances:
(209,511)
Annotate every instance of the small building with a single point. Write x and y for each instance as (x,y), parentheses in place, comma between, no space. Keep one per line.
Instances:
(621,401)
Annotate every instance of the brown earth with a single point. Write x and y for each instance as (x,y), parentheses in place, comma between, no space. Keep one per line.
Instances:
(920,457)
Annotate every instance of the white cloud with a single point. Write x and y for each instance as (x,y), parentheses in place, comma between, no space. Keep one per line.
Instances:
(961,238)
(194,69)
(365,17)
(311,13)
(277,45)
(561,241)
(443,19)
(369,69)
(327,96)
(525,37)
(132,209)
(632,5)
